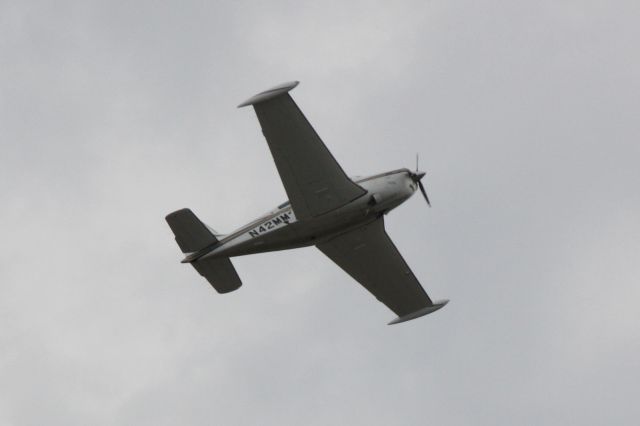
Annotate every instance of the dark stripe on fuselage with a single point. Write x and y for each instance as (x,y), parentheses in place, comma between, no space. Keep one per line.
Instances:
(393,172)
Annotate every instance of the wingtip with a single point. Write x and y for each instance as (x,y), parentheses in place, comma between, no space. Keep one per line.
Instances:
(421,312)
(270,93)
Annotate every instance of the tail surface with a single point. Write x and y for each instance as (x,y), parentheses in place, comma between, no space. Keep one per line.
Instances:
(220,273)
(192,235)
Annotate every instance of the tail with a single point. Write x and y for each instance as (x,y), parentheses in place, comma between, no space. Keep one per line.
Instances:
(192,236)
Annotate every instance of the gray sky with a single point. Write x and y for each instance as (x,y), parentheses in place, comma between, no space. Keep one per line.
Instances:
(525,114)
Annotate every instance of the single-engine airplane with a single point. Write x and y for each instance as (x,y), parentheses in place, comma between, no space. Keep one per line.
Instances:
(343,217)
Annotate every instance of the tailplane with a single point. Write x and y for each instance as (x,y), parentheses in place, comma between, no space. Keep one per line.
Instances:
(220,273)
(193,236)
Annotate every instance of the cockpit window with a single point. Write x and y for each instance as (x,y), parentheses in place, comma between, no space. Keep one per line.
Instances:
(283,205)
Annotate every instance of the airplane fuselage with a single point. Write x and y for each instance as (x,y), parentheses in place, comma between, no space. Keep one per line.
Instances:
(280,229)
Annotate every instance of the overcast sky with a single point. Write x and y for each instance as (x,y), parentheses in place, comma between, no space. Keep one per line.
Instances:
(526,117)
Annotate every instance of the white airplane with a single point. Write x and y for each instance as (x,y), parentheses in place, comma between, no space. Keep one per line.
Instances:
(343,217)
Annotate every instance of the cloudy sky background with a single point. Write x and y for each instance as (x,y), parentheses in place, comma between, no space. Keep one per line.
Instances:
(526,116)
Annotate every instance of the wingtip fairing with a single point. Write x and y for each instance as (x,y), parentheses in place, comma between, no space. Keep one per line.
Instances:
(420,312)
(270,93)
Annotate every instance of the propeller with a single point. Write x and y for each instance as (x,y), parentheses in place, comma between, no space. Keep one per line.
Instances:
(424,192)
(417,177)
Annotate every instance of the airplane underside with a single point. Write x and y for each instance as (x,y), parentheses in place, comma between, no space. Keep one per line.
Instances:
(343,217)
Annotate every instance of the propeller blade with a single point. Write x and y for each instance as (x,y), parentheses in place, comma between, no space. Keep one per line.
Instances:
(424,192)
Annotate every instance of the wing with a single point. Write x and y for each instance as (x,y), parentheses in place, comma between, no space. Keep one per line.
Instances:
(370,257)
(312,178)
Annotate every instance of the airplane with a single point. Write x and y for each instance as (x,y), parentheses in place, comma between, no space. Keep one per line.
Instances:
(342,217)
